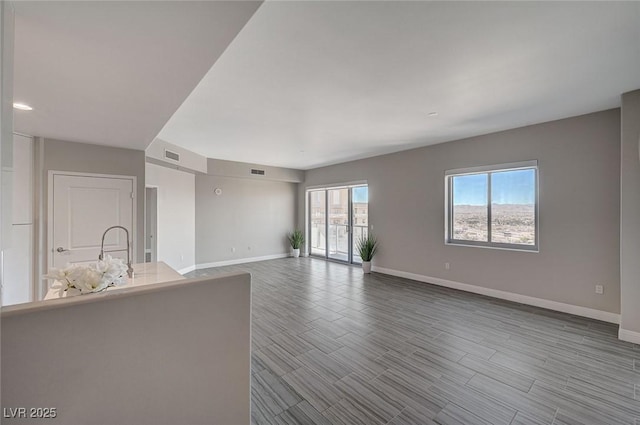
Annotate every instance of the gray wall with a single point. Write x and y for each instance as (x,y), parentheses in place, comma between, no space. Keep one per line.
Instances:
(630,214)
(220,167)
(80,157)
(250,213)
(579,165)
(188,160)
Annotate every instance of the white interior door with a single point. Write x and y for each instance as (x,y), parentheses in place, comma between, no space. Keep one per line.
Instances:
(83,207)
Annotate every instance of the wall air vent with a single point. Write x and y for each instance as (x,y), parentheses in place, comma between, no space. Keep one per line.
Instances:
(171,155)
(258,172)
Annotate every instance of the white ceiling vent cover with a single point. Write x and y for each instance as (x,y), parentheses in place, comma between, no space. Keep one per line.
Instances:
(171,155)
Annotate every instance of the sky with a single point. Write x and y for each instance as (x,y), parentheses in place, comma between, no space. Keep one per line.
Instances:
(360,194)
(508,187)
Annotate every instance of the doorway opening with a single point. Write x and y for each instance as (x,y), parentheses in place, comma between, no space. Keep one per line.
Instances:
(151,224)
(338,219)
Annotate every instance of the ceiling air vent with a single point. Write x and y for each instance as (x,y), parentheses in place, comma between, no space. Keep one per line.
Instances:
(171,155)
(258,172)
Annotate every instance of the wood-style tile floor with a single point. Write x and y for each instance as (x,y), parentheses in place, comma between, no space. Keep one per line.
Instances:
(334,346)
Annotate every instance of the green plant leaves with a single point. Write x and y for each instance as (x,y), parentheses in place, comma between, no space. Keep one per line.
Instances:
(367,247)
(296,239)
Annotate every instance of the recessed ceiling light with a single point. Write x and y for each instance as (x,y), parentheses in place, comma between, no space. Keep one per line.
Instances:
(432,114)
(22,107)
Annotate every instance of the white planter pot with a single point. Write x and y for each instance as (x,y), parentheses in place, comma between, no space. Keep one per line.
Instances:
(296,252)
(366,266)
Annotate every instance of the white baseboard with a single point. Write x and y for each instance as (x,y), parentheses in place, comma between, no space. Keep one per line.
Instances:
(241,261)
(187,269)
(591,313)
(629,336)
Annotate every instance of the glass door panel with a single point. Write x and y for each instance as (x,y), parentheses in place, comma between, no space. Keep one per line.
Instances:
(317,236)
(338,229)
(360,218)
(338,219)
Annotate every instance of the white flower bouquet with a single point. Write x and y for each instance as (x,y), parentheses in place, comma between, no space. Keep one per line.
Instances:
(76,279)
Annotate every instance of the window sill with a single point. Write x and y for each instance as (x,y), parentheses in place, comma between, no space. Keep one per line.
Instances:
(501,248)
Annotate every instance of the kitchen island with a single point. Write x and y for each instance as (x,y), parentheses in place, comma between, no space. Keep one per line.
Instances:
(143,274)
(158,352)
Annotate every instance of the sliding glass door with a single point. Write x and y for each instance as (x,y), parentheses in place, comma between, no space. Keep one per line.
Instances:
(338,218)
(318,222)
(360,218)
(338,224)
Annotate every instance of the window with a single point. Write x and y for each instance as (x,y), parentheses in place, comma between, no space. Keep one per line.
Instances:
(493,206)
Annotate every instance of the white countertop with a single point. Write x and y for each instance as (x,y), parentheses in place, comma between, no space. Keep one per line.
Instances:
(143,274)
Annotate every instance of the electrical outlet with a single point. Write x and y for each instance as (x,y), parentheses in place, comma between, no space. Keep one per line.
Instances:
(599,289)
(233,250)
(447,266)
(248,248)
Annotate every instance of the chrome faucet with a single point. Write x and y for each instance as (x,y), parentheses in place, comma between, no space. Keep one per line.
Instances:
(102,251)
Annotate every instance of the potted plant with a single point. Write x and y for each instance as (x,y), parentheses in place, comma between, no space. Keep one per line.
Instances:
(367,246)
(296,239)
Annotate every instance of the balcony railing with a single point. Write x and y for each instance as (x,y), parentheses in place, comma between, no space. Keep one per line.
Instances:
(338,240)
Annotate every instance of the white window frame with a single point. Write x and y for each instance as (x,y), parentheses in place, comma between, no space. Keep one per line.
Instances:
(448,204)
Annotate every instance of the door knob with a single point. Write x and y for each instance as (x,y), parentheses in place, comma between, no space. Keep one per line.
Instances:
(61,249)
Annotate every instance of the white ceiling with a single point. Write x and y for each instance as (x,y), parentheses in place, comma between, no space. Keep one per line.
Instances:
(113,73)
(307,84)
